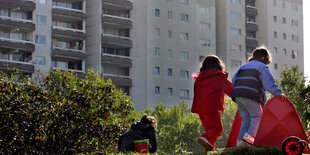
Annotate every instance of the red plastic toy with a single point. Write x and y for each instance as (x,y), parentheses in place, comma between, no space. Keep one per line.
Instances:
(279,122)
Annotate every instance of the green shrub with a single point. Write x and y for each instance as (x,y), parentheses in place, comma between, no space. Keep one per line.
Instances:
(61,115)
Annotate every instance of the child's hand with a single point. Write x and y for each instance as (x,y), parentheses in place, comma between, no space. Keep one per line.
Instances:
(283,97)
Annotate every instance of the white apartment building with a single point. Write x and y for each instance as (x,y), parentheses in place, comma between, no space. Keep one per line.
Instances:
(171,37)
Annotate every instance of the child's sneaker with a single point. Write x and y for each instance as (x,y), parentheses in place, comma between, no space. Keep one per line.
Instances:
(248,139)
(205,143)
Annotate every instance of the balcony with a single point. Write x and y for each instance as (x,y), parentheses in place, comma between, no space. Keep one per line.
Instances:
(115,59)
(10,23)
(63,13)
(26,5)
(251,26)
(119,80)
(120,22)
(122,4)
(24,67)
(251,42)
(115,40)
(78,73)
(68,33)
(251,10)
(20,45)
(67,53)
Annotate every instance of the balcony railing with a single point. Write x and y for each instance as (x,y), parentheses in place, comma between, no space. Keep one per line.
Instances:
(69,9)
(69,49)
(17,19)
(115,75)
(17,41)
(68,29)
(72,70)
(18,62)
(116,36)
(117,56)
(119,17)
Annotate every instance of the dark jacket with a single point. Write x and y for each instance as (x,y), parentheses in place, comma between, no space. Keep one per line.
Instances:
(209,90)
(137,131)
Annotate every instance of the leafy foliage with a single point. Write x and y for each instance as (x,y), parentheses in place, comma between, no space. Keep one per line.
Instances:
(61,115)
(306,114)
(293,84)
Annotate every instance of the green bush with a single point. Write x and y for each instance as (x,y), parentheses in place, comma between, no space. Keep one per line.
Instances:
(61,115)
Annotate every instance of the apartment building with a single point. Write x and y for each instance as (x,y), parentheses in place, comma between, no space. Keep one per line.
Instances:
(242,25)
(280,28)
(17,35)
(109,42)
(171,37)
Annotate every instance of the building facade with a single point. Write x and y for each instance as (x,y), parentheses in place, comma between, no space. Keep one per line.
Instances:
(149,48)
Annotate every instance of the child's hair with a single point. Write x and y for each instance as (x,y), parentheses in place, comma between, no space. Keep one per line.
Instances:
(212,61)
(261,54)
(149,120)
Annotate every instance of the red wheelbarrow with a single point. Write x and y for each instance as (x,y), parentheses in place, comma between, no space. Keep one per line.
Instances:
(279,126)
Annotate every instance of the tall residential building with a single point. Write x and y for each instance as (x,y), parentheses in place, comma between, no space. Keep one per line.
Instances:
(149,48)
(109,42)
(242,25)
(17,35)
(171,37)
(280,28)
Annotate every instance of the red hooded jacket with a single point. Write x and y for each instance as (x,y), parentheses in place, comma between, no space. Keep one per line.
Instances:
(209,91)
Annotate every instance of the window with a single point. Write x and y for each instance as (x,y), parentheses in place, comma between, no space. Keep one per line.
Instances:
(4,12)
(40,40)
(22,57)
(170,34)
(275,66)
(204,42)
(284,66)
(204,10)
(183,55)
(284,51)
(184,93)
(184,17)
(169,72)
(184,1)
(283,20)
(294,7)
(235,63)
(236,1)
(284,36)
(184,74)
(235,15)
(274,18)
(4,55)
(41,19)
(170,91)
(235,31)
(157,32)
(18,36)
(157,90)
(294,23)
(184,36)
(275,34)
(157,70)
(157,51)
(157,13)
(169,53)
(204,26)
(283,5)
(236,48)
(169,14)
(41,1)
(201,58)
(39,60)
(294,54)
(4,34)
(295,38)
(275,50)
(275,3)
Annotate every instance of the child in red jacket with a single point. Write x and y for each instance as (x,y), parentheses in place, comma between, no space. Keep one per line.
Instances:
(209,90)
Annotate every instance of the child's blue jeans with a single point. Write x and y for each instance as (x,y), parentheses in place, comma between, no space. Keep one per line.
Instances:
(251,112)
